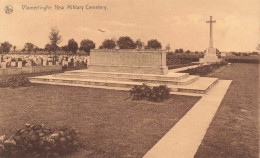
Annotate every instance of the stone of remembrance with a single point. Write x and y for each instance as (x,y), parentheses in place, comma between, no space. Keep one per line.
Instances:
(128,61)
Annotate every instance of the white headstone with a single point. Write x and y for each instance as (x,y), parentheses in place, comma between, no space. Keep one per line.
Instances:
(4,65)
(28,63)
(20,64)
(44,63)
(13,63)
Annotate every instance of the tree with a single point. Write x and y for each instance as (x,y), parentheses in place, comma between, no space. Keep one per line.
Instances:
(65,48)
(187,52)
(41,49)
(108,44)
(14,48)
(154,44)
(168,47)
(73,46)
(86,45)
(177,51)
(139,44)
(35,49)
(1,49)
(126,43)
(48,47)
(55,38)
(181,51)
(28,47)
(254,53)
(6,46)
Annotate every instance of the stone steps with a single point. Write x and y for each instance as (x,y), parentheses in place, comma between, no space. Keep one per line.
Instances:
(184,81)
(189,84)
(177,79)
(109,83)
(201,86)
(170,76)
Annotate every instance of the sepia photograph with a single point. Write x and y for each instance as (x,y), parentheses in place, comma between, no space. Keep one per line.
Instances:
(129,78)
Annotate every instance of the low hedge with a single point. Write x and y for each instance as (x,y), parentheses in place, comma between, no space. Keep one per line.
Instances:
(174,58)
(14,81)
(32,141)
(245,59)
(144,92)
(205,69)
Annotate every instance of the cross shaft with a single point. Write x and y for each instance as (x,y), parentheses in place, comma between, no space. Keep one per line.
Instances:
(211,32)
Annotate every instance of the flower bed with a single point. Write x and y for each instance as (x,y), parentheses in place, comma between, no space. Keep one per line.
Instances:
(39,141)
(15,81)
(156,94)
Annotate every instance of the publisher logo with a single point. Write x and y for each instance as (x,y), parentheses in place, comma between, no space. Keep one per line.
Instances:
(9,9)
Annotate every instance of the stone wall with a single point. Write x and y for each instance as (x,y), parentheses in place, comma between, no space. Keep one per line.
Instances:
(31,69)
(128,61)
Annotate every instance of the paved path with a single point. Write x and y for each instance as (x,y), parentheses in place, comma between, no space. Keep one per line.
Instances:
(183,140)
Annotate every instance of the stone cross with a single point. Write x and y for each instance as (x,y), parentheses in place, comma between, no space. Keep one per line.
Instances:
(211,32)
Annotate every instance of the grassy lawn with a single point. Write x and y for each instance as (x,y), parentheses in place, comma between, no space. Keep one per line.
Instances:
(234,130)
(109,122)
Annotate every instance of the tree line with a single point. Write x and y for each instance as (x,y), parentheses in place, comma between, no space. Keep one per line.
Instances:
(86,45)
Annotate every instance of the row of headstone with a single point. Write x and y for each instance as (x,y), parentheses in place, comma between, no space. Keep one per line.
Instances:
(41,60)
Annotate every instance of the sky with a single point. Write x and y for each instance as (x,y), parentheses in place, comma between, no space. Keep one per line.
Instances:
(180,23)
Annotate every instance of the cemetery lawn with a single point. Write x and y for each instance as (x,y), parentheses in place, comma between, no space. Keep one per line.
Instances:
(233,132)
(109,122)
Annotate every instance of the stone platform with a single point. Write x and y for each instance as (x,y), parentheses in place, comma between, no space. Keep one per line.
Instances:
(123,69)
(178,82)
(210,56)
(210,59)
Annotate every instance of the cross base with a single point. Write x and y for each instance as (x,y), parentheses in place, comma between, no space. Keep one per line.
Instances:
(210,56)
